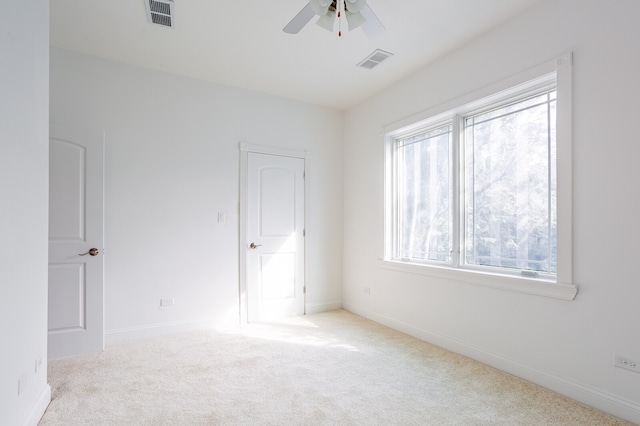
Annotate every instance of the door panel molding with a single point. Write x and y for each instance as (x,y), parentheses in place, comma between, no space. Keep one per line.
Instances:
(68,221)
(73,277)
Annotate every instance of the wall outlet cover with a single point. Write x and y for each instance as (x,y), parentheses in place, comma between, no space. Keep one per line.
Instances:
(164,303)
(625,362)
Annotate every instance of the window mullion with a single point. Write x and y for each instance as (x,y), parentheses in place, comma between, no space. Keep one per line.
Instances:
(456,191)
(396,200)
(549,189)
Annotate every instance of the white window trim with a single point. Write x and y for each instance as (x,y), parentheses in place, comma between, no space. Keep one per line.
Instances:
(563,287)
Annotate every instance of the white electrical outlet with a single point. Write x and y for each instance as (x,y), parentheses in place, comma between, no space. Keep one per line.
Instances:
(627,363)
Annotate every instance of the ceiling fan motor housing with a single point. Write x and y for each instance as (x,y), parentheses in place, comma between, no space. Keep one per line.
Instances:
(321,7)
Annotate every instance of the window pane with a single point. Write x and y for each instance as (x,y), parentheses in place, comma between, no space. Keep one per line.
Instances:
(510,186)
(423,192)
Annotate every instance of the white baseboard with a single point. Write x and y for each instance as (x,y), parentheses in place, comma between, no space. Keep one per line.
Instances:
(586,394)
(316,308)
(153,330)
(39,407)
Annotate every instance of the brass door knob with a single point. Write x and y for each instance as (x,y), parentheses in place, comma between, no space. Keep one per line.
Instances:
(254,245)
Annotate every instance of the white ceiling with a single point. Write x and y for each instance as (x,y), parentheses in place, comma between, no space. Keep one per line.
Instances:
(241,43)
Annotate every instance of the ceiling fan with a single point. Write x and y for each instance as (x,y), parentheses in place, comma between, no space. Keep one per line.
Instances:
(357,13)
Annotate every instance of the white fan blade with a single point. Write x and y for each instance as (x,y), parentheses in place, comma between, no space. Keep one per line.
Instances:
(300,20)
(373,27)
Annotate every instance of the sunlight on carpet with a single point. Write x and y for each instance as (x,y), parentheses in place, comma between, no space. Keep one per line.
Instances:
(334,368)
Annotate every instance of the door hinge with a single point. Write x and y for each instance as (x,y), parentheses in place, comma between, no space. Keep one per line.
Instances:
(304,290)
(304,232)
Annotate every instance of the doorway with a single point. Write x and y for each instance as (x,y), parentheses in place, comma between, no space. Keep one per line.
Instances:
(76,178)
(272,233)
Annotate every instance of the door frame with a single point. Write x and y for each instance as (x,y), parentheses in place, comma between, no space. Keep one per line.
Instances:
(245,149)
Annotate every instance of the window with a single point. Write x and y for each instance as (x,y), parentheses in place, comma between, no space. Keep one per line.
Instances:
(475,188)
(422,193)
(510,186)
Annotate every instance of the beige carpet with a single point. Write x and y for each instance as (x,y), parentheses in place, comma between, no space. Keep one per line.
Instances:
(334,368)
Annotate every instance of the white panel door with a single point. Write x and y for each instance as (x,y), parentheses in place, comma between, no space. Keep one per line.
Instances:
(275,234)
(75,228)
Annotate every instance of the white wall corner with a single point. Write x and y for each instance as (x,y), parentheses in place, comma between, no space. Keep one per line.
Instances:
(317,308)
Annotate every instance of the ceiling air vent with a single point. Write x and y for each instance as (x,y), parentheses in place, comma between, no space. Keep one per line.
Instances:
(160,12)
(374,59)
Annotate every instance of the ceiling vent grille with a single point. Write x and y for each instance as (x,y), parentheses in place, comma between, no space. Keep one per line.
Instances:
(160,12)
(374,59)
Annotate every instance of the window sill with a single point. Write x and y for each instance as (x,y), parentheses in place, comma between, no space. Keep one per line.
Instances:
(535,287)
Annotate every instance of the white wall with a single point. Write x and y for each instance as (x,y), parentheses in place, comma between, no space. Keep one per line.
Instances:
(172,163)
(24,191)
(567,346)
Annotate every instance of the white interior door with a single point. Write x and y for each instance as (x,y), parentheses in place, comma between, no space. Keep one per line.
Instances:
(275,236)
(75,227)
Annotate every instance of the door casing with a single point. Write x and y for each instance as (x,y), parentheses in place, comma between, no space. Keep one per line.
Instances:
(245,149)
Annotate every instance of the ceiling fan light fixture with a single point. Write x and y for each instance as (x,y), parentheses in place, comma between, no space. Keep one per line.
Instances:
(355,5)
(354,20)
(357,14)
(320,7)
(327,20)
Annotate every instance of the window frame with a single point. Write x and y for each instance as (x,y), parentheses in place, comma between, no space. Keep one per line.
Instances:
(556,73)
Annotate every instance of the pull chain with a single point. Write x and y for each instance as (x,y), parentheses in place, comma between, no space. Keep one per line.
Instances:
(340,7)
